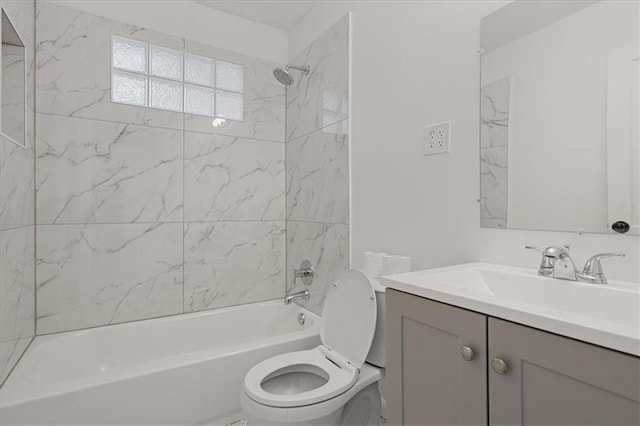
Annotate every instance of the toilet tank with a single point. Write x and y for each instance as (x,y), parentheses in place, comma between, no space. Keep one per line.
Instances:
(376,353)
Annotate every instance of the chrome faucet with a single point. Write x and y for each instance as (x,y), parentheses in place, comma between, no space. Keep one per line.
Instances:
(557,263)
(593,272)
(299,295)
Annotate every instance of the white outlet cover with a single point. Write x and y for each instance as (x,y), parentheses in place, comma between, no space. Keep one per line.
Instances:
(437,138)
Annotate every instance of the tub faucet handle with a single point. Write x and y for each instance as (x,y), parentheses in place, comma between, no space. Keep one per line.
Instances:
(305,273)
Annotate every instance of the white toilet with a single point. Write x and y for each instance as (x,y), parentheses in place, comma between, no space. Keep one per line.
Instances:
(330,384)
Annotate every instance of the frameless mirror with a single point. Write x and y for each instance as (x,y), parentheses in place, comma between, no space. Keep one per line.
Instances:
(560,148)
(14,80)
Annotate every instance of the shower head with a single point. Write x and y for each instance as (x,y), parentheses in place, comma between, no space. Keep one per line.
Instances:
(284,76)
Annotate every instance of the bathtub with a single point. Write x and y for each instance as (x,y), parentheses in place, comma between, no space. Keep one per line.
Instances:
(181,370)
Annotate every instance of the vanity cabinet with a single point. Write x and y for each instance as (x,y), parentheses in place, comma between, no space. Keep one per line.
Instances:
(554,380)
(427,379)
(517,374)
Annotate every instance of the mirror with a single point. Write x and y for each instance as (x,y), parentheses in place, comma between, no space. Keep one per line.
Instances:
(14,101)
(559,143)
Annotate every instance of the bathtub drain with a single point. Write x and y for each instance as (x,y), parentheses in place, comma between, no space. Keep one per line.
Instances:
(301,318)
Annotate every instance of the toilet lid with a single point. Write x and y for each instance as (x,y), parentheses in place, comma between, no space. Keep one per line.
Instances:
(349,317)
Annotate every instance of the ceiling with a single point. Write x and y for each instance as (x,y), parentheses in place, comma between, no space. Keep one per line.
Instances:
(282,14)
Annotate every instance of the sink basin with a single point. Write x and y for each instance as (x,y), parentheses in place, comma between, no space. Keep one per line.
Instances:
(603,314)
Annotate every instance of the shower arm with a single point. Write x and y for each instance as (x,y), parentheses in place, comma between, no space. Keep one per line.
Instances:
(305,69)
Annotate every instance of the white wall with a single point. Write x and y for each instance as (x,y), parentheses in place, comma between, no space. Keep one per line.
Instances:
(415,63)
(193,21)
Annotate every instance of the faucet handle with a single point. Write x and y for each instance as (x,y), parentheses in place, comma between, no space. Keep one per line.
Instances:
(546,262)
(305,273)
(555,252)
(593,267)
(540,249)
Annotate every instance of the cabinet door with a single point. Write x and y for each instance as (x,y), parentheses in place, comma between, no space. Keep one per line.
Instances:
(428,381)
(554,380)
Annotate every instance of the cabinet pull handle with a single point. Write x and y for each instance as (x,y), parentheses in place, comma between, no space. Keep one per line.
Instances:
(499,366)
(467,353)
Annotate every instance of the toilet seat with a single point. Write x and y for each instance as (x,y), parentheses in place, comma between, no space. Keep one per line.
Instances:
(348,326)
(339,378)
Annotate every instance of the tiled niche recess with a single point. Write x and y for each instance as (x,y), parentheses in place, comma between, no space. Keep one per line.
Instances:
(153,76)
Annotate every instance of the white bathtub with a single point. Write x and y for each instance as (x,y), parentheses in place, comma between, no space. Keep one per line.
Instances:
(180,370)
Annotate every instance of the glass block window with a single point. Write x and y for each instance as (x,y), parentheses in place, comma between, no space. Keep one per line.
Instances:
(166,63)
(199,100)
(229,105)
(229,76)
(152,76)
(130,55)
(165,95)
(199,70)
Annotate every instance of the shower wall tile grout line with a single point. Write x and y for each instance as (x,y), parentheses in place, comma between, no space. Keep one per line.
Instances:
(346,118)
(182,128)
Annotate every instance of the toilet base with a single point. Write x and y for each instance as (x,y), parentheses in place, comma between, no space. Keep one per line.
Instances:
(360,405)
(262,415)
(330,420)
(363,409)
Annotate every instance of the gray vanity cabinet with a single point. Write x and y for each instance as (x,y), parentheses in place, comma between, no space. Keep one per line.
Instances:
(428,380)
(554,380)
(534,377)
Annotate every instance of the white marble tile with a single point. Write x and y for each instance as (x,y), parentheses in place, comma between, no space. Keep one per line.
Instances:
(326,246)
(321,97)
(494,182)
(16,185)
(230,263)
(91,275)
(494,112)
(10,353)
(73,67)
(17,295)
(22,14)
(264,99)
(229,178)
(318,177)
(104,172)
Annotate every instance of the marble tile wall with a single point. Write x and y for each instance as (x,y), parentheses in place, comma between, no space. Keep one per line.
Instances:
(317,163)
(494,153)
(17,230)
(141,212)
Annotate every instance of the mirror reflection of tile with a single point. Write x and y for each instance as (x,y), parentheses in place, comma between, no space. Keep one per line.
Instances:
(13,84)
(494,153)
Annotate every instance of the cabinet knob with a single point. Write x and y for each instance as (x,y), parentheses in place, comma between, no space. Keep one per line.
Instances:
(467,353)
(499,366)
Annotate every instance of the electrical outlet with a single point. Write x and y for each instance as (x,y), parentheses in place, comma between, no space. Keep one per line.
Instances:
(437,138)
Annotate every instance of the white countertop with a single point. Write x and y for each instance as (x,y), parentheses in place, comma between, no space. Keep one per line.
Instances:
(603,314)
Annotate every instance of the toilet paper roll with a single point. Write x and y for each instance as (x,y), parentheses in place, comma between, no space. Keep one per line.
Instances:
(393,264)
(372,265)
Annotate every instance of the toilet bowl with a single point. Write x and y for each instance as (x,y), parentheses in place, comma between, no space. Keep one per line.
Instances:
(332,383)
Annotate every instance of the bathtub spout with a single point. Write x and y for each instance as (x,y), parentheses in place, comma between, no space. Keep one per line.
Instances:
(300,295)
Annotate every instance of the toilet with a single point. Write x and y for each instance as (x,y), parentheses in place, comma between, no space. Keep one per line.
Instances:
(335,383)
